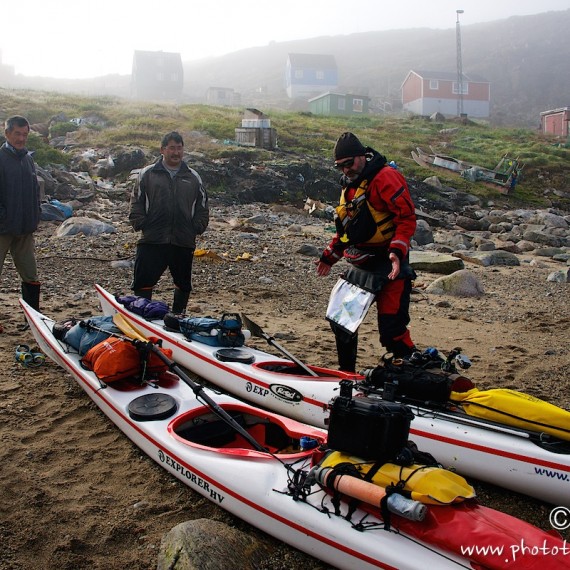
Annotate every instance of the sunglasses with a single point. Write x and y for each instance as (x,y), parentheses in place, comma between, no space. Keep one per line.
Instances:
(346,164)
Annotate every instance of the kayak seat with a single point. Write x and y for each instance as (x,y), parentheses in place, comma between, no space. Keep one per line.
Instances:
(216,433)
(284,368)
(270,435)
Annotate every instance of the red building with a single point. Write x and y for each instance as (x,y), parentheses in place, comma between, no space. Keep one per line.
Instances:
(555,122)
(429,92)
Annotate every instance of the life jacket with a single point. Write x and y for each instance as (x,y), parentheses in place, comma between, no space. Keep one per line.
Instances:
(357,222)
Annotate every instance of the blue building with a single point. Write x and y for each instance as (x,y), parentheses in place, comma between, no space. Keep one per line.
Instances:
(308,75)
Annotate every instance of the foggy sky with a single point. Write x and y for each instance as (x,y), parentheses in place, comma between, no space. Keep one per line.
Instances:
(82,38)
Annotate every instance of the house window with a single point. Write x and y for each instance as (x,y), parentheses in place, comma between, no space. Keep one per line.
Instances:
(464,88)
(173,77)
(341,104)
(320,75)
(434,84)
(357,105)
(298,74)
(159,77)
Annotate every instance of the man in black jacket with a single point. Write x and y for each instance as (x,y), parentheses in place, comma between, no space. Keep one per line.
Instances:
(19,207)
(170,206)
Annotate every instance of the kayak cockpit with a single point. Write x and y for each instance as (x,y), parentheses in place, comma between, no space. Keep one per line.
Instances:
(203,428)
(292,369)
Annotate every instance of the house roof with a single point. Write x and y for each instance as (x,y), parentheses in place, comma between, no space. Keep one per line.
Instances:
(312,60)
(552,111)
(449,76)
(328,93)
(148,58)
(255,112)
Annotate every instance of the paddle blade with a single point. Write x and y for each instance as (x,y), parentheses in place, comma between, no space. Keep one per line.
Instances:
(127,328)
(254,328)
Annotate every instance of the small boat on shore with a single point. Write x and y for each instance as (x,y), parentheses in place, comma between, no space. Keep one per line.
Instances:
(505,175)
(254,464)
(528,462)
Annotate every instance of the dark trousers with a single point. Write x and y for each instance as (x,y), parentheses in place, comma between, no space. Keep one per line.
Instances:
(152,260)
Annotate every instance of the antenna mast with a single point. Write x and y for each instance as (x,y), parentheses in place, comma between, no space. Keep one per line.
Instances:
(459,65)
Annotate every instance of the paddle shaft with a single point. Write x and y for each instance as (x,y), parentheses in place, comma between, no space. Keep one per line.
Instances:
(131,332)
(256,330)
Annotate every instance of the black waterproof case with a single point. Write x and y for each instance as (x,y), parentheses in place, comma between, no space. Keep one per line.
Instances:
(369,428)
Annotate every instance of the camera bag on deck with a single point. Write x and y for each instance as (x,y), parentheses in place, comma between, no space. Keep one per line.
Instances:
(225,332)
(412,382)
(369,428)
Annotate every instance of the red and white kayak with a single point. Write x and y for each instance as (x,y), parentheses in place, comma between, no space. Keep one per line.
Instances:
(176,425)
(505,456)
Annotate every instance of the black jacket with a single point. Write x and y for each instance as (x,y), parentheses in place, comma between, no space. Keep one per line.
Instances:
(19,193)
(169,210)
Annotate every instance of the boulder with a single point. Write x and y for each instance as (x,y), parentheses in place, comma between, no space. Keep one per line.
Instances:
(423,234)
(462,283)
(435,262)
(487,258)
(205,544)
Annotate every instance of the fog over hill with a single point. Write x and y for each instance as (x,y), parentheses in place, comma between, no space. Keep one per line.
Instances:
(524,57)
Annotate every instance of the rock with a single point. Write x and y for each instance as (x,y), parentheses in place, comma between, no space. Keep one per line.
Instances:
(550,220)
(562,276)
(127,160)
(453,239)
(547,251)
(435,262)
(309,250)
(205,544)
(437,118)
(537,263)
(423,234)
(508,246)
(462,283)
(525,245)
(433,181)
(482,244)
(496,217)
(469,223)
(484,258)
(541,238)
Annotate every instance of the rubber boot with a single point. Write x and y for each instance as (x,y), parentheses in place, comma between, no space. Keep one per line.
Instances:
(180,301)
(31,294)
(144,293)
(347,349)
(401,346)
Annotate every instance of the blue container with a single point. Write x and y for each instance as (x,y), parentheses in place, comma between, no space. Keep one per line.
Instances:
(308,443)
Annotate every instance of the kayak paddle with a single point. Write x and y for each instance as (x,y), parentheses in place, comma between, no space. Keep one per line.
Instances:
(256,330)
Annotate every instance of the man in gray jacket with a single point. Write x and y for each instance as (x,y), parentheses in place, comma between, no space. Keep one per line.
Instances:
(19,207)
(170,206)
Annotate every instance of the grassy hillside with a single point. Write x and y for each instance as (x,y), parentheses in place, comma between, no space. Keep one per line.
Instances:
(301,136)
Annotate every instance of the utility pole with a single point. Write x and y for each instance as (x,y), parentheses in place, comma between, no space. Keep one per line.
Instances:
(459,65)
